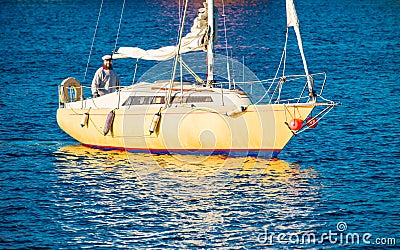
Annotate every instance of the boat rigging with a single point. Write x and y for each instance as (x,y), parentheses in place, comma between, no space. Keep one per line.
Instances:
(202,116)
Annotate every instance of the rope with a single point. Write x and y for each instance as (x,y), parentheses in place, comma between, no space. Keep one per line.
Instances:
(283,59)
(317,118)
(181,12)
(168,101)
(134,74)
(94,36)
(119,26)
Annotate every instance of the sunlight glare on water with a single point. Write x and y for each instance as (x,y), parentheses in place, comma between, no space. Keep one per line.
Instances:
(163,198)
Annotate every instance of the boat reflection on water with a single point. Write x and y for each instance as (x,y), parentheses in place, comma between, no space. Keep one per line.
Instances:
(193,198)
(188,170)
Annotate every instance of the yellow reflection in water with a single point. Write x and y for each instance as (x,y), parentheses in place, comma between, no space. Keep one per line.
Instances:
(197,194)
(79,159)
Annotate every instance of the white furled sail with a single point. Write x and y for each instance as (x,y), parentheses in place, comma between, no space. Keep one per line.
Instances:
(210,46)
(291,14)
(293,21)
(196,40)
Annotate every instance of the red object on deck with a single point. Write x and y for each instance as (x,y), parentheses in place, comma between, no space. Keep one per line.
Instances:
(295,124)
(311,122)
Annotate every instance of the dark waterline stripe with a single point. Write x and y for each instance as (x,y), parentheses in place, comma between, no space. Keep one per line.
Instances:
(270,153)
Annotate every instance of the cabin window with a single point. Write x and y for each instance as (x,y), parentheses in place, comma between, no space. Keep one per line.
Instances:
(146,100)
(191,99)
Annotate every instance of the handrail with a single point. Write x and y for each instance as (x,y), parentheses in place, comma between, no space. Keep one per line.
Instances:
(274,89)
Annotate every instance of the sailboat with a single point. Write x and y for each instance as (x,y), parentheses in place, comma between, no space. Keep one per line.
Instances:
(200,114)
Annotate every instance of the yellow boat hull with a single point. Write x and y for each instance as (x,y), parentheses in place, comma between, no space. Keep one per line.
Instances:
(260,130)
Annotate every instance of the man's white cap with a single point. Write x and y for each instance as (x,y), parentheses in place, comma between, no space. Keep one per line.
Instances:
(106,57)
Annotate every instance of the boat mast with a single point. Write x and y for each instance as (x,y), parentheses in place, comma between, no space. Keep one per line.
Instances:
(293,21)
(210,46)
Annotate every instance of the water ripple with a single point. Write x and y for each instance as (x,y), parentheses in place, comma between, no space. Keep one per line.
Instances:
(57,195)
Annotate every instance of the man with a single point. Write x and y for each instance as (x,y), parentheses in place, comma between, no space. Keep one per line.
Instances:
(105,80)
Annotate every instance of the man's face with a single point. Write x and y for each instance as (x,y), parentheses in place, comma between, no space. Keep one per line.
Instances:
(107,63)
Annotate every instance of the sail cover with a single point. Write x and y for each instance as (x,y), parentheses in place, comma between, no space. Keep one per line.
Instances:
(292,19)
(195,40)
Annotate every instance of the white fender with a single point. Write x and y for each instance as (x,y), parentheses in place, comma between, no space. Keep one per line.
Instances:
(155,121)
(109,122)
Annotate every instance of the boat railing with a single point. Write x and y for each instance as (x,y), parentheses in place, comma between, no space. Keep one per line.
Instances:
(74,94)
(273,90)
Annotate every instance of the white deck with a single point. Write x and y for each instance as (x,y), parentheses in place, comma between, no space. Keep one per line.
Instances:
(154,94)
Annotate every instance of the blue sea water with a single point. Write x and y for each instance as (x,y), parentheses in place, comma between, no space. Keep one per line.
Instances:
(338,181)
